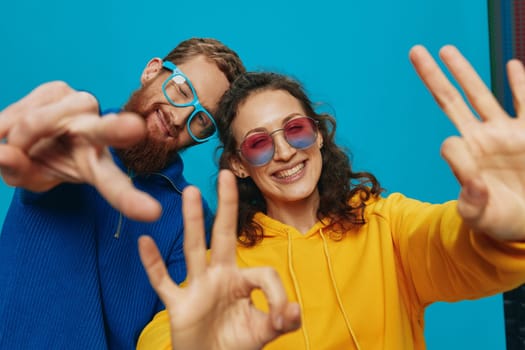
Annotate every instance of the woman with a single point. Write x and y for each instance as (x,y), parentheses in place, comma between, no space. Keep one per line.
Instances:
(362,267)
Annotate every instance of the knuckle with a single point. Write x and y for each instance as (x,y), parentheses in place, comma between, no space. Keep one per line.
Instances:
(25,122)
(87,100)
(447,98)
(43,95)
(269,272)
(480,102)
(58,88)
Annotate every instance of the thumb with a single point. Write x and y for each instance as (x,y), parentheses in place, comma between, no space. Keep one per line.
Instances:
(473,199)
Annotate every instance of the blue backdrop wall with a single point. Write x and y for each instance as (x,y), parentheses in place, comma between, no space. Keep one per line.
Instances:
(351,55)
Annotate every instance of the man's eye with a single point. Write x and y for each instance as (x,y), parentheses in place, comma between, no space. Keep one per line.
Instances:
(203,120)
(182,91)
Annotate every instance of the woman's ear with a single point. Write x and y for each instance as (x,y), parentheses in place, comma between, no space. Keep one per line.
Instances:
(320,140)
(151,70)
(238,168)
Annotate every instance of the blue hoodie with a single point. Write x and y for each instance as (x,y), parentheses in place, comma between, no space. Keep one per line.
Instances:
(70,273)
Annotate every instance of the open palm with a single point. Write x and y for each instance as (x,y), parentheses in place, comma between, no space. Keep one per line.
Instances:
(488,158)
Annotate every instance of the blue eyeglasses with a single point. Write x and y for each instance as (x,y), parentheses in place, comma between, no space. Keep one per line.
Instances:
(179,92)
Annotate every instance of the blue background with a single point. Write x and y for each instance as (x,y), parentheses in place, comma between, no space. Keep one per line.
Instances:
(351,55)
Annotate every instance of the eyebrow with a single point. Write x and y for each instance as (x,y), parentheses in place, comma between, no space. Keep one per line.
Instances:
(207,108)
(285,120)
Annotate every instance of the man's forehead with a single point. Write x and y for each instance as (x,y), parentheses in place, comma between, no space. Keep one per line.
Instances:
(208,80)
(193,66)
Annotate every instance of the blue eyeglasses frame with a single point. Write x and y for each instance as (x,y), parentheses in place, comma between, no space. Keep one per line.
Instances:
(195,103)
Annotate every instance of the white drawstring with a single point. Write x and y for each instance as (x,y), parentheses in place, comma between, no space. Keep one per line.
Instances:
(298,292)
(334,285)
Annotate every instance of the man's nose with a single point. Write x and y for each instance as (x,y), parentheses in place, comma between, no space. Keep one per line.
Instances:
(179,115)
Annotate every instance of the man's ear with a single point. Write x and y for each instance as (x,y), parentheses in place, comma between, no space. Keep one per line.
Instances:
(238,168)
(151,70)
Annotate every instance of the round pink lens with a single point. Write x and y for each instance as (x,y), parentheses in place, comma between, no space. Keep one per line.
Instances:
(257,148)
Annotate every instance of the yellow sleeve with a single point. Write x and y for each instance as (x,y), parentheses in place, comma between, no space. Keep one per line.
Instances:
(156,335)
(443,259)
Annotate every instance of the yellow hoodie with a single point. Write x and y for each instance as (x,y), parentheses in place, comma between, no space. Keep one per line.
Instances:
(369,289)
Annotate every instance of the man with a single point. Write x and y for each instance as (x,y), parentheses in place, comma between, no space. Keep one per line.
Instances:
(70,274)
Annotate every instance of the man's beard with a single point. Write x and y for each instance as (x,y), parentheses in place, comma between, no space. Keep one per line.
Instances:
(150,154)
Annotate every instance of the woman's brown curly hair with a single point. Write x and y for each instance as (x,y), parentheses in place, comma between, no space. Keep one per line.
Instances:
(337,184)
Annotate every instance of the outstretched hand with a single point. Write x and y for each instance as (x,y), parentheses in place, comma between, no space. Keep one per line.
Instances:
(55,135)
(214,310)
(488,158)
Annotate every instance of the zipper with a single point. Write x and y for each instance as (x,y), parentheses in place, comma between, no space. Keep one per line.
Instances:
(119,226)
(169,180)
(131,175)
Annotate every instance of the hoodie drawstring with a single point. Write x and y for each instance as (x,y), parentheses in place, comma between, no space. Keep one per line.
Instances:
(298,292)
(334,286)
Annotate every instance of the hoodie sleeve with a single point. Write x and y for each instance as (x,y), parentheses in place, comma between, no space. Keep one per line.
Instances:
(156,335)
(442,259)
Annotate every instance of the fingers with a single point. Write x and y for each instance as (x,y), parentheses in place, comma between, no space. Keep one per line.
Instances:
(120,131)
(446,95)
(17,169)
(49,120)
(225,227)
(12,163)
(55,108)
(473,200)
(458,156)
(156,269)
(287,319)
(516,76)
(138,205)
(283,316)
(291,317)
(194,232)
(475,89)
(117,188)
(42,95)
(474,194)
